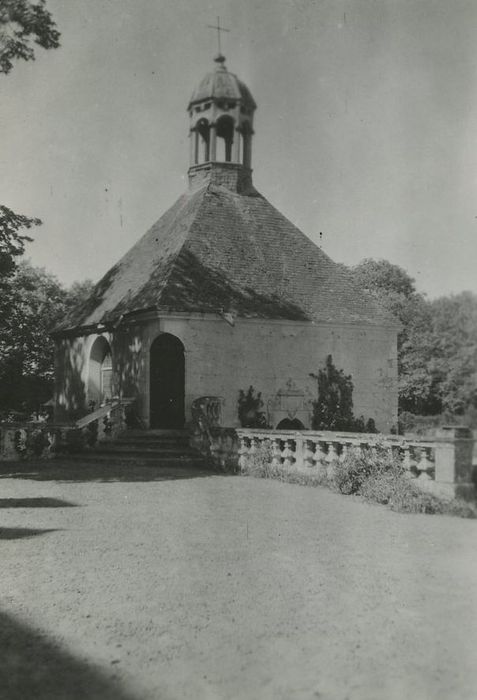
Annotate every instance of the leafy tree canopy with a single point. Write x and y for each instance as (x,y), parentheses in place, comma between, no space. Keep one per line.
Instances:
(437,345)
(12,242)
(34,302)
(22,24)
(382,276)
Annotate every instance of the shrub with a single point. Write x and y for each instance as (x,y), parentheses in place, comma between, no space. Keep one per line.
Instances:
(260,463)
(378,476)
(333,410)
(359,466)
(250,409)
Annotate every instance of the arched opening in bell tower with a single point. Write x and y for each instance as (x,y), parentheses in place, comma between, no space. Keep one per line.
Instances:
(225,139)
(202,141)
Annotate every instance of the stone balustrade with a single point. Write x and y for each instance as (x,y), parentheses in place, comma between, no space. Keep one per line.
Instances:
(442,464)
(36,440)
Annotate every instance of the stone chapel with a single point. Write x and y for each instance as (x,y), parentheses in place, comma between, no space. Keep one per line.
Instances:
(223,292)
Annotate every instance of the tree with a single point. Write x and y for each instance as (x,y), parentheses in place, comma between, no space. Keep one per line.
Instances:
(333,410)
(454,351)
(437,345)
(383,278)
(12,242)
(23,23)
(36,301)
(396,291)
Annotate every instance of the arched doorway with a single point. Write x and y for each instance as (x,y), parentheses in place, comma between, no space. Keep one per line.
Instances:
(167,382)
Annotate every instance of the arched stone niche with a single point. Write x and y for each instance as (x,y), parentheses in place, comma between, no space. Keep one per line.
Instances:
(100,372)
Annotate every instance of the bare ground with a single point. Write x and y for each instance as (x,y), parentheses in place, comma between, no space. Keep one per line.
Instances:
(227,587)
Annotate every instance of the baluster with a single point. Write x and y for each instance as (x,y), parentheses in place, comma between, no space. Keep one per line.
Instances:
(331,460)
(424,465)
(243,453)
(309,454)
(332,455)
(276,453)
(407,460)
(344,452)
(321,453)
(355,450)
(287,454)
(252,451)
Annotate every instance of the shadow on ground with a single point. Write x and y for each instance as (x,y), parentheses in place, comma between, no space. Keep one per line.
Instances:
(61,471)
(33,666)
(19,533)
(40,502)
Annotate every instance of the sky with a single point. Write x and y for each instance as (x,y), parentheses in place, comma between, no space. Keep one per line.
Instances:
(365,129)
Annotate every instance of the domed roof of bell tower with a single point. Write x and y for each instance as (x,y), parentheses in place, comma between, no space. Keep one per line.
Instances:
(220,84)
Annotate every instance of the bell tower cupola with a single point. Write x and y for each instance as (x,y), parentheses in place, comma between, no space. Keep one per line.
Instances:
(221,113)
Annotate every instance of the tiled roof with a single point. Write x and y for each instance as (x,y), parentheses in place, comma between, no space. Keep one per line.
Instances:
(218,250)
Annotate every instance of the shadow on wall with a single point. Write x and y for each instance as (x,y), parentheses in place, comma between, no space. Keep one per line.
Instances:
(128,361)
(33,666)
(70,387)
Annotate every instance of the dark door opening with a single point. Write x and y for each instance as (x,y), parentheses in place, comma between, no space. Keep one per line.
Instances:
(167,382)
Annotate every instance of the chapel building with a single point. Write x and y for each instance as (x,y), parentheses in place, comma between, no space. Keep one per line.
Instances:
(223,292)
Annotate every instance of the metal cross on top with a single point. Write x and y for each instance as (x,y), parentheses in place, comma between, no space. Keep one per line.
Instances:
(219,29)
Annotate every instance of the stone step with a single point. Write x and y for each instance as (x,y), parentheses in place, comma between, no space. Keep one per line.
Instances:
(128,448)
(93,457)
(155,433)
(150,444)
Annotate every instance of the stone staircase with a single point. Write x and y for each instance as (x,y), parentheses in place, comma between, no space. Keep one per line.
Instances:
(165,451)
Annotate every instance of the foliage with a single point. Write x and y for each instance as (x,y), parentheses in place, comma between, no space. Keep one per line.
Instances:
(453,359)
(351,474)
(333,410)
(377,475)
(250,409)
(260,463)
(23,23)
(33,302)
(374,474)
(437,345)
(12,242)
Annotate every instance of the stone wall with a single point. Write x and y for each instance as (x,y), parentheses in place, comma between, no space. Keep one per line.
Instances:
(221,359)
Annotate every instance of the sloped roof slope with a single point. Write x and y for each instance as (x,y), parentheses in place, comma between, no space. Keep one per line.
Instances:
(214,250)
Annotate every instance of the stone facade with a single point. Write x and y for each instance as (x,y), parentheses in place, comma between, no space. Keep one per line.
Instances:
(221,359)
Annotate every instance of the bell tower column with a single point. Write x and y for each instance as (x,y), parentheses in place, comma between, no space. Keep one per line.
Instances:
(213,143)
(236,146)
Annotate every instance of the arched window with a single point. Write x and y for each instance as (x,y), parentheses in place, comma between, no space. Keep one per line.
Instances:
(100,374)
(225,138)
(202,150)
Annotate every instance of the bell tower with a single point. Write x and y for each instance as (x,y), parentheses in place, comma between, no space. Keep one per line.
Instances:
(221,112)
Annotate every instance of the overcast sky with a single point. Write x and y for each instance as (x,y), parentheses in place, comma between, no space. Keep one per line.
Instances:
(366,126)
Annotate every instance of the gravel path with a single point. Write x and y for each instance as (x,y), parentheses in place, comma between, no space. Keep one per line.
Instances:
(221,587)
